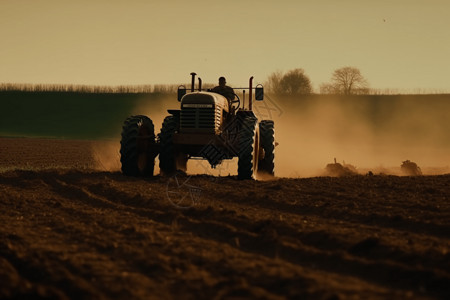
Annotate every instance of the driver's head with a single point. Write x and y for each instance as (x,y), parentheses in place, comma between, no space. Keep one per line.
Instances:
(222,81)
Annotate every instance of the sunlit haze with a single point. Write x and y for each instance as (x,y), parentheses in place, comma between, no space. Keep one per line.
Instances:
(396,44)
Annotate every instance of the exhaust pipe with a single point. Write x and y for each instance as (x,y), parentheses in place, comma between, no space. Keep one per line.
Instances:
(199,84)
(250,93)
(193,81)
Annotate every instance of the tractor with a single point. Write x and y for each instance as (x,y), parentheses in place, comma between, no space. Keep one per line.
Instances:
(207,126)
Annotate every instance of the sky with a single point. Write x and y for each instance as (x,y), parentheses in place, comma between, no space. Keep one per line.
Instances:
(399,44)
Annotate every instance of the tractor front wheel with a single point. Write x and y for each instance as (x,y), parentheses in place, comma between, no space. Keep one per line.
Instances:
(248,148)
(167,156)
(266,163)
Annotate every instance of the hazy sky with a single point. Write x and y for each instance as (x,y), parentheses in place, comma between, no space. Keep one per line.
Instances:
(395,43)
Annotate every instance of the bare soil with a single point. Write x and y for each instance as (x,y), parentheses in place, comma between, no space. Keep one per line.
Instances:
(69,230)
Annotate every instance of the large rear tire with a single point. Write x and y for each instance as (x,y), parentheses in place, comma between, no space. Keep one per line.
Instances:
(266,164)
(248,148)
(138,147)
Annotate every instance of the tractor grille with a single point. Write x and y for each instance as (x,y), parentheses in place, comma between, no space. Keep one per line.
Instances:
(200,118)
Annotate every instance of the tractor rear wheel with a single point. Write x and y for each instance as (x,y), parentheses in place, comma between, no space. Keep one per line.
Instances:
(248,148)
(167,155)
(266,131)
(138,147)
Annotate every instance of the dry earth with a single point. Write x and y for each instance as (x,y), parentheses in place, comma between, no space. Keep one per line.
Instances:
(71,231)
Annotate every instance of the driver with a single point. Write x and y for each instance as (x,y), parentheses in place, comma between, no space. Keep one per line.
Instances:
(224,89)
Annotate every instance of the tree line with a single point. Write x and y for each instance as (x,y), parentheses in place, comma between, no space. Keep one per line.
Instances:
(96,89)
(344,81)
(295,82)
(90,89)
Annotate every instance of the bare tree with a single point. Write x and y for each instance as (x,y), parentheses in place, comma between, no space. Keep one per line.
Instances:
(347,81)
(294,82)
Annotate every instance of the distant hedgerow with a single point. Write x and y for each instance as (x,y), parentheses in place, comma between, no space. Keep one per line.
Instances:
(147,88)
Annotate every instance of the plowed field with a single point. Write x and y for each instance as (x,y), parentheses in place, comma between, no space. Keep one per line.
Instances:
(71,230)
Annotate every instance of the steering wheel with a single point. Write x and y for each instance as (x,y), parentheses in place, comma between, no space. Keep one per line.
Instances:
(238,101)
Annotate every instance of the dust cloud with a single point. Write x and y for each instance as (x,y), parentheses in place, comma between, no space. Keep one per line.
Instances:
(372,133)
(106,155)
